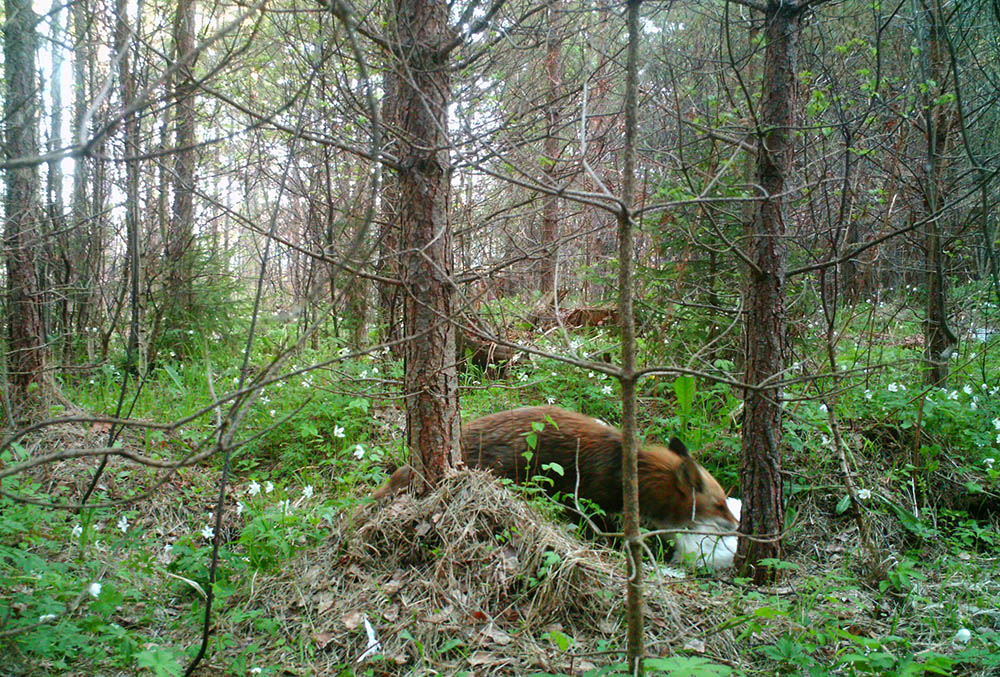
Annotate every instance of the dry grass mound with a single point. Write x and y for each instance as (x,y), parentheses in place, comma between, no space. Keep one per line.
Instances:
(472,578)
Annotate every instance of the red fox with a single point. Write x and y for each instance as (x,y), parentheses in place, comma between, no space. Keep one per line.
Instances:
(668,477)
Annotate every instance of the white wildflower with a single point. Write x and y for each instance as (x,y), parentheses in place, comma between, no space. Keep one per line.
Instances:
(307,491)
(359,452)
(94,589)
(988,462)
(996,423)
(338,431)
(122,524)
(893,388)
(967,389)
(46,618)
(268,487)
(864,494)
(273,412)
(77,531)
(550,400)
(207,532)
(607,390)
(822,408)
(240,507)
(253,489)
(963,636)
(869,394)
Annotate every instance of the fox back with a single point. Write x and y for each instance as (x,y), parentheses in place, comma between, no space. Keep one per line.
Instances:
(590,455)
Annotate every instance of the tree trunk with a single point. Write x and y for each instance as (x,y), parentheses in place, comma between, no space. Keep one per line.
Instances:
(181,233)
(26,352)
(938,114)
(550,209)
(58,238)
(430,379)
(78,255)
(130,127)
(764,324)
(630,452)
(390,296)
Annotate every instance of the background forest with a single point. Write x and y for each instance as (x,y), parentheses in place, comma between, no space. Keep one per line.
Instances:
(257,255)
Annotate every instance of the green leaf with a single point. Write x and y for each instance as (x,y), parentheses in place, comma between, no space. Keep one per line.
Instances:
(452,643)
(554,467)
(360,403)
(560,639)
(174,376)
(160,661)
(684,387)
(688,666)
(843,504)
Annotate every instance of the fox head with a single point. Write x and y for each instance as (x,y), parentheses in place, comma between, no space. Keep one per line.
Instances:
(675,491)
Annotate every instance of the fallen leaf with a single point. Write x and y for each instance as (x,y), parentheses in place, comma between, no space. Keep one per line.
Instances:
(392,613)
(442,616)
(100,427)
(497,635)
(352,619)
(695,645)
(322,638)
(481,658)
(325,601)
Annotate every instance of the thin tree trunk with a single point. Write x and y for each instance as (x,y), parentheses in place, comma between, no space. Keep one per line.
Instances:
(939,340)
(550,209)
(630,454)
(76,268)
(390,296)
(181,234)
(131,132)
(54,201)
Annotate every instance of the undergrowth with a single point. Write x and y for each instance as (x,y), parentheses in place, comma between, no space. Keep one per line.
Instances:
(121,589)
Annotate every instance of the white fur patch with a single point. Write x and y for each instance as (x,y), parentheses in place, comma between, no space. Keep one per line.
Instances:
(710,552)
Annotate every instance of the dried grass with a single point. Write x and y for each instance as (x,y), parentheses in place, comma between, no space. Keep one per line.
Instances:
(472,578)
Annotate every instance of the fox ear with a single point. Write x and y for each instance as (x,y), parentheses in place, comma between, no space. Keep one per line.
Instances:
(689,474)
(678,447)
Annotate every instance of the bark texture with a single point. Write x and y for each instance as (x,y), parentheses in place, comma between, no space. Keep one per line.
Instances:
(430,379)
(764,328)
(550,210)
(26,352)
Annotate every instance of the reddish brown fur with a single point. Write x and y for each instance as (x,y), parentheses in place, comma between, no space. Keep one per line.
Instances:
(667,479)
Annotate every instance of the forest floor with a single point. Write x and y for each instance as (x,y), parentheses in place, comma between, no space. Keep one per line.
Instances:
(315,578)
